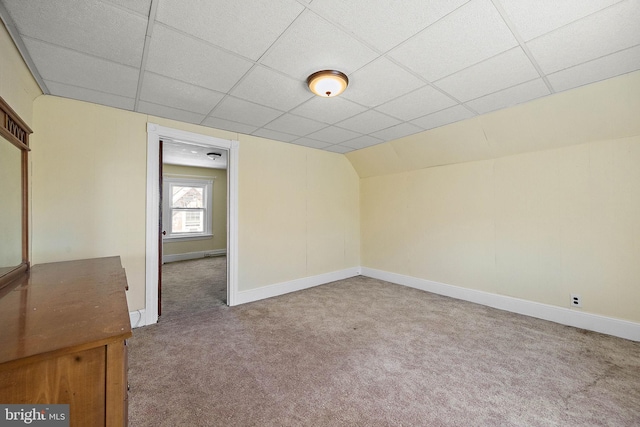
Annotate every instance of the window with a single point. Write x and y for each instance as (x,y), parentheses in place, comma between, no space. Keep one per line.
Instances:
(187,208)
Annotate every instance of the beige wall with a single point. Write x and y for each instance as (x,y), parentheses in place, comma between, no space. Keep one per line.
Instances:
(89,186)
(298,207)
(219,217)
(537,226)
(17,86)
(298,212)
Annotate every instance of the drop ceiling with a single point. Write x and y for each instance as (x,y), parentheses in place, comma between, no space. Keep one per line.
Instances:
(241,66)
(189,154)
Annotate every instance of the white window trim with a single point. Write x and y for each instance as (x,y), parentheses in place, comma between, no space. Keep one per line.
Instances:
(201,236)
(207,183)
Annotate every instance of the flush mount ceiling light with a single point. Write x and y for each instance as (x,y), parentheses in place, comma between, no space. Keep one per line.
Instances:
(214,156)
(327,83)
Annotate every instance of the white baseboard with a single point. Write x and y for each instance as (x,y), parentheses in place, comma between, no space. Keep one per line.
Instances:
(565,316)
(593,322)
(193,255)
(137,318)
(269,291)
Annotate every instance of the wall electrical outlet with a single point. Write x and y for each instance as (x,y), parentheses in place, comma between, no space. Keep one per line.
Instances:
(576,300)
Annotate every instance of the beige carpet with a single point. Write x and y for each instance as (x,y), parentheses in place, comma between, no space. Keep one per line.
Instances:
(193,285)
(363,352)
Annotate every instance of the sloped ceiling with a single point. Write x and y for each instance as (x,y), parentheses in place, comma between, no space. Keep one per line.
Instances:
(606,110)
(241,66)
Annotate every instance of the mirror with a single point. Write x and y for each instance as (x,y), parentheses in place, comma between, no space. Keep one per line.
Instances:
(14,146)
(10,206)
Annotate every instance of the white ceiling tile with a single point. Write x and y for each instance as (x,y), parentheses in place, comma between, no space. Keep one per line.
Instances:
(339,149)
(444,117)
(368,122)
(311,143)
(267,87)
(457,51)
(88,26)
(534,18)
(275,135)
(180,153)
(379,82)
(425,100)
(606,67)
(181,57)
(295,125)
(242,111)
(333,135)
(500,72)
(80,70)
(362,142)
(384,23)
(613,29)
(312,44)
(328,110)
(229,125)
(510,97)
(467,36)
(139,6)
(169,113)
(397,131)
(247,27)
(173,93)
(89,95)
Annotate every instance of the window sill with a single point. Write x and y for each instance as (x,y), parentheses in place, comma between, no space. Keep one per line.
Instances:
(171,239)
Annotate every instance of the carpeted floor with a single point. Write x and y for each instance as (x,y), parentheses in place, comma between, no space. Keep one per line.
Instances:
(194,285)
(363,352)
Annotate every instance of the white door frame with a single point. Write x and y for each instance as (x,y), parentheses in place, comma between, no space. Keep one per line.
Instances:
(154,134)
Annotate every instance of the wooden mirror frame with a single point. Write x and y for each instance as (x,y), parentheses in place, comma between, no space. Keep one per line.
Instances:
(16,131)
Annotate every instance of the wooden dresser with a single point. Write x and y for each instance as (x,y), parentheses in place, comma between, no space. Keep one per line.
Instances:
(63,328)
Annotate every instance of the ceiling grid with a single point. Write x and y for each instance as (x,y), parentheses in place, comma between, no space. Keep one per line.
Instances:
(242,66)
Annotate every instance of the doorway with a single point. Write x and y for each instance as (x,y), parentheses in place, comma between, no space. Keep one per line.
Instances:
(155,134)
(193,276)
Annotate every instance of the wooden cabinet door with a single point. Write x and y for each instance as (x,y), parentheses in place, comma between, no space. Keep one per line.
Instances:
(75,378)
